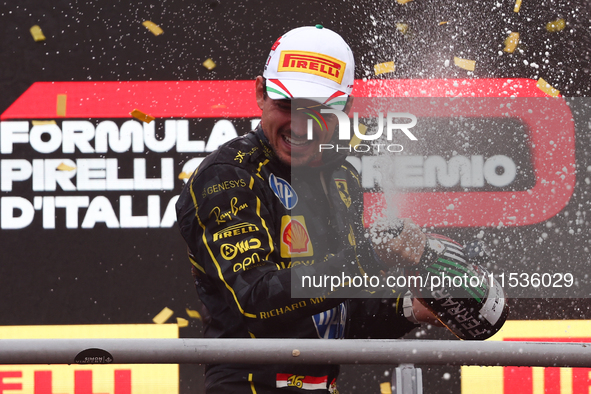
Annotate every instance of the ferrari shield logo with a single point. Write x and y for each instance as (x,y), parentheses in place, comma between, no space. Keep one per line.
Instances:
(343,191)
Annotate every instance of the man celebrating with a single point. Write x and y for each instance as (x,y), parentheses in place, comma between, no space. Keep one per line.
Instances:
(268,208)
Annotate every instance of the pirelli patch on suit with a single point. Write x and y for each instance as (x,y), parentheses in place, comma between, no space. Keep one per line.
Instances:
(237,229)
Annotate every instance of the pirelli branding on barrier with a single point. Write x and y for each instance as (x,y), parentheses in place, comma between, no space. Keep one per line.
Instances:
(85,377)
(533,380)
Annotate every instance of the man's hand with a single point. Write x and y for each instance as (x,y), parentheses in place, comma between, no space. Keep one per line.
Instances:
(405,249)
(422,314)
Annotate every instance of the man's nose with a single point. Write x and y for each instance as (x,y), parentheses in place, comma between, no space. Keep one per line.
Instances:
(299,125)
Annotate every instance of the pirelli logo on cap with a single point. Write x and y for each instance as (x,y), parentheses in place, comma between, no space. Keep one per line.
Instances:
(312,63)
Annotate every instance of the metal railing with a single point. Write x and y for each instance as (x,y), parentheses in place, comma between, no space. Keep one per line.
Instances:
(293,351)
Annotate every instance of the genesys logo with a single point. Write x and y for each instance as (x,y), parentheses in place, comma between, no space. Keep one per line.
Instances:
(65,172)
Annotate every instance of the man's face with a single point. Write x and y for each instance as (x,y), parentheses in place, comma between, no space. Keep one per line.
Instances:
(288,135)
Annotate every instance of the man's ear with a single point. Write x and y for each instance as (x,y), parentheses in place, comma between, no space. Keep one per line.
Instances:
(260,91)
(349,104)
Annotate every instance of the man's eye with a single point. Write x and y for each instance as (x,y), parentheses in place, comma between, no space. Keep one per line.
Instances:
(283,104)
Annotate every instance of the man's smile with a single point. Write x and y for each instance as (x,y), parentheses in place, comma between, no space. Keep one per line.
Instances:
(295,141)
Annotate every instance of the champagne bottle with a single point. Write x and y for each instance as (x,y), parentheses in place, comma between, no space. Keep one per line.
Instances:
(458,289)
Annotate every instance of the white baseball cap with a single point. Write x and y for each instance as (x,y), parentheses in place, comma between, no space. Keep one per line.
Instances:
(311,62)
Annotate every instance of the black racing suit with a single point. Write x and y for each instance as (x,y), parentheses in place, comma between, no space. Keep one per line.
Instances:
(250,223)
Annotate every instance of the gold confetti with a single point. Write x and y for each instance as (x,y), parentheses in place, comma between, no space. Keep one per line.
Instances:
(65,167)
(184,175)
(182,322)
(154,28)
(218,106)
(386,388)
(403,1)
(511,42)
(61,105)
(547,88)
(356,140)
(517,6)
(556,25)
(383,68)
(443,23)
(402,27)
(37,33)
(42,122)
(193,314)
(465,63)
(209,64)
(139,115)
(163,316)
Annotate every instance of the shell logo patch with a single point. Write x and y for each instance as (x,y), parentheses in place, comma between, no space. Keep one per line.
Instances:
(295,239)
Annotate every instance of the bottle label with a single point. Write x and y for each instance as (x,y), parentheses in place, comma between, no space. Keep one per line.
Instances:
(495,302)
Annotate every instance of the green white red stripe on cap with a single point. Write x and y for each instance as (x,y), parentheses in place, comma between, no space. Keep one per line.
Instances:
(338,99)
(274,86)
(277,91)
